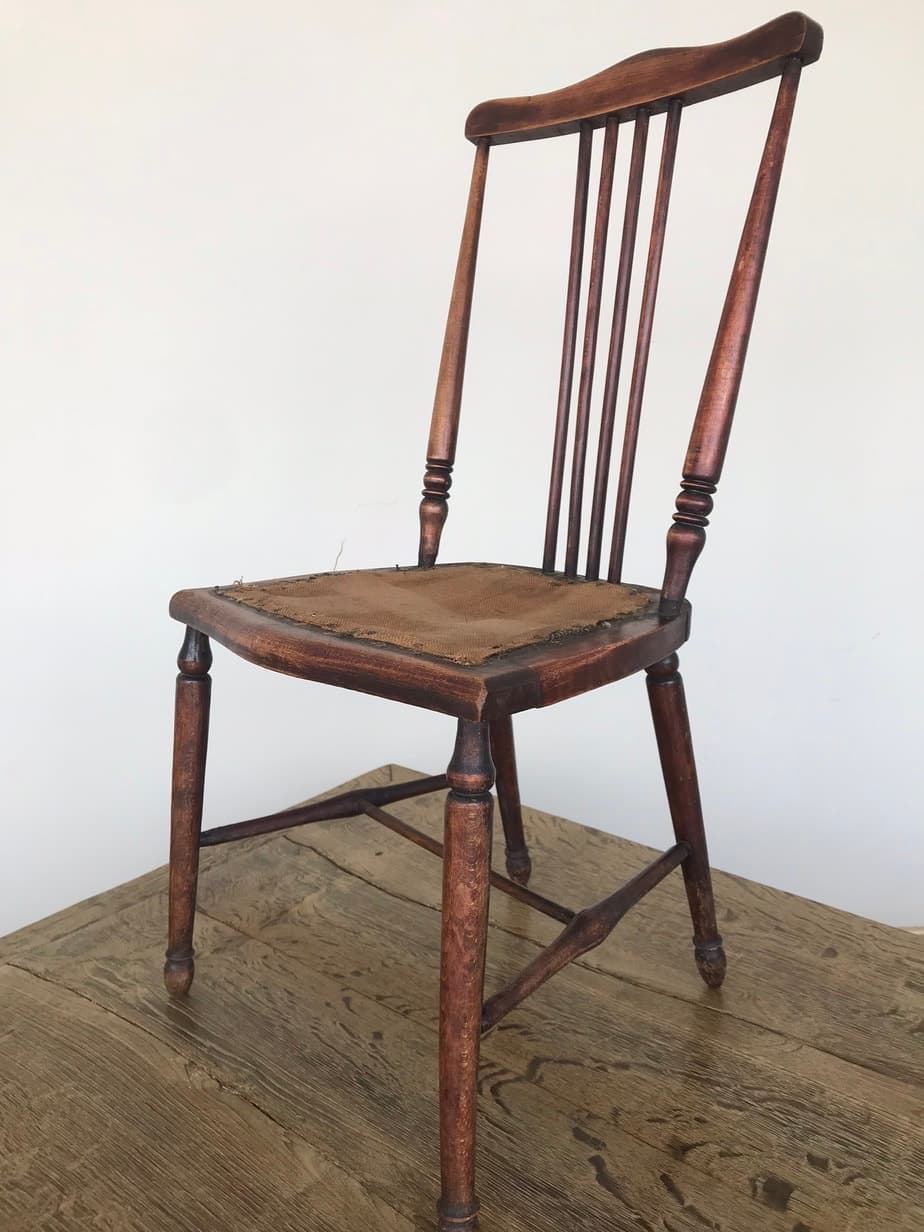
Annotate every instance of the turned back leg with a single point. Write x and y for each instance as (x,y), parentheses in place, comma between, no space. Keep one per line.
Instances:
(190,743)
(503,752)
(675,746)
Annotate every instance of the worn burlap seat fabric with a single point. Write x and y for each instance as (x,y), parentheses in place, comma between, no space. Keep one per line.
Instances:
(466,613)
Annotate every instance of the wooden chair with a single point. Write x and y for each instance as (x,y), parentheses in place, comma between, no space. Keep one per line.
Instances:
(485,641)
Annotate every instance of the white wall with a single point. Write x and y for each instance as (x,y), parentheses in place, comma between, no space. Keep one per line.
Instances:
(227,232)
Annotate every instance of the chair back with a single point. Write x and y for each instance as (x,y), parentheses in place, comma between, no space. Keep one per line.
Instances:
(628,94)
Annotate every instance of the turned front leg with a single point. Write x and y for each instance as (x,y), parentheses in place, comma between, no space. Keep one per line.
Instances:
(466,867)
(190,743)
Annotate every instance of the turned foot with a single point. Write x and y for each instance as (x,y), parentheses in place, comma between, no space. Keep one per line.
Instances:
(711,962)
(457,1219)
(519,866)
(178,975)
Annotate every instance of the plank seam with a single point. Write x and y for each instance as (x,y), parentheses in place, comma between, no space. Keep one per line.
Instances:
(373,885)
(289,1130)
(882,1071)
(503,1075)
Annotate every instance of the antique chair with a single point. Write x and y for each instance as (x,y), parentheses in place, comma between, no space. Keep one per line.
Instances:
(482,642)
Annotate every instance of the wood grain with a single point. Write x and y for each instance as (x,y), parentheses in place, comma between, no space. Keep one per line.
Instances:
(795,961)
(651,80)
(97,1115)
(296,1086)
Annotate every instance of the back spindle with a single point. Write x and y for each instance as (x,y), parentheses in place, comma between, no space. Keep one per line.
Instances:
(709,441)
(444,425)
(617,340)
(643,340)
(569,343)
(588,355)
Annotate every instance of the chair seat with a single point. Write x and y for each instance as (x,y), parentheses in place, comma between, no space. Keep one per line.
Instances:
(467,613)
(463,626)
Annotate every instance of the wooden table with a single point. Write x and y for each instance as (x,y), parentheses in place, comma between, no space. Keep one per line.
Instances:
(296,1089)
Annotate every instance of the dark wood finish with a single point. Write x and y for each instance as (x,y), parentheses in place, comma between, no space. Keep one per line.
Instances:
(589,352)
(675,748)
(536,676)
(569,344)
(706,452)
(589,928)
(295,1088)
(651,81)
(506,885)
(643,340)
(484,697)
(503,751)
(447,404)
(351,804)
(466,866)
(190,745)
(617,340)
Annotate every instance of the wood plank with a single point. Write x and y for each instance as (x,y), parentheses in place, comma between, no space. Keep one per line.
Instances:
(623,1095)
(844,985)
(338,1068)
(749,1109)
(52,928)
(104,1126)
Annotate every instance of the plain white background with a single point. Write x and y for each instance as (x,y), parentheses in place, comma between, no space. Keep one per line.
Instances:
(227,238)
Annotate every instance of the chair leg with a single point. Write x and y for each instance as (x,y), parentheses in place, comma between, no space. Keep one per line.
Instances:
(190,742)
(503,752)
(466,866)
(675,746)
